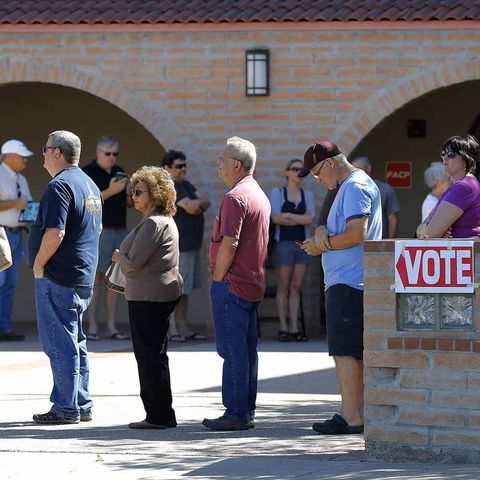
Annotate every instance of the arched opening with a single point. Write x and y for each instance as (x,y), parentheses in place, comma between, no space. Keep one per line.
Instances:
(447,111)
(31,110)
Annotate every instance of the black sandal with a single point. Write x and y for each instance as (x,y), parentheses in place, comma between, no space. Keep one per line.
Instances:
(337,426)
(284,336)
(299,337)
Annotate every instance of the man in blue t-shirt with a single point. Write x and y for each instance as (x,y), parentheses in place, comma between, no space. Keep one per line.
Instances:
(63,252)
(355,216)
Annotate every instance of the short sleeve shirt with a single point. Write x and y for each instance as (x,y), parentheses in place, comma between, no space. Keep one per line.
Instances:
(244,215)
(465,194)
(389,204)
(115,207)
(358,196)
(190,227)
(428,205)
(72,203)
(8,191)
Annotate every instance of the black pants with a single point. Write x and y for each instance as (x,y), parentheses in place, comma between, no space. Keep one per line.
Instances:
(149,322)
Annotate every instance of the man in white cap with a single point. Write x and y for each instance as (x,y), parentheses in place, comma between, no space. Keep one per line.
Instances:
(14,194)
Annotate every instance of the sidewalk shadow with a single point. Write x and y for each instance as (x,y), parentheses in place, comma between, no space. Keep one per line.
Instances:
(314,382)
(32,344)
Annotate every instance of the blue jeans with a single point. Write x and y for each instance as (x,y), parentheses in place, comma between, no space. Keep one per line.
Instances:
(59,314)
(236,337)
(8,281)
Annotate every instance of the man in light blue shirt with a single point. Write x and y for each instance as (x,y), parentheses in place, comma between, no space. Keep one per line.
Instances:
(355,216)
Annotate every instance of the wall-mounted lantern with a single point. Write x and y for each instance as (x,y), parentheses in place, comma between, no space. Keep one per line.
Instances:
(257,73)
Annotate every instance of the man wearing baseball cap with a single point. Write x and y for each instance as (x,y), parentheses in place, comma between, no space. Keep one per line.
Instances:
(355,216)
(14,194)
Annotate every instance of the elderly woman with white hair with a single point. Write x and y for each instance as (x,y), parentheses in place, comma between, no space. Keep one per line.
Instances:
(437,180)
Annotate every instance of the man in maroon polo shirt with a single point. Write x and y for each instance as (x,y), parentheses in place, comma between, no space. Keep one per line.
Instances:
(238,253)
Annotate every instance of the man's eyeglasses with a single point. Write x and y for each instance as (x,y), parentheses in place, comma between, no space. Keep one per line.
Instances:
(317,174)
(45,148)
(179,166)
(294,169)
(136,192)
(110,154)
(448,154)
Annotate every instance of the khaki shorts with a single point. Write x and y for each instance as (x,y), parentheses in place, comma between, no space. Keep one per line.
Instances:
(191,269)
(110,240)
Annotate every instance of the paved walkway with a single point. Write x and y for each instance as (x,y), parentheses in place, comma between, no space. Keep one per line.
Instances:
(297,386)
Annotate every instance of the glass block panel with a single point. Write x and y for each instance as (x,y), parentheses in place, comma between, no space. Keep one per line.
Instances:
(417,311)
(456,311)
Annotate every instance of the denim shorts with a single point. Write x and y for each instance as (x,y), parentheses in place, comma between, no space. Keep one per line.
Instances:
(110,240)
(344,311)
(287,252)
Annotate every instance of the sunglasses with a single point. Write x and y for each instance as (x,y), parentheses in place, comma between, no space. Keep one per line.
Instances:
(295,169)
(448,154)
(179,166)
(45,148)
(110,154)
(136,192)
(317,175)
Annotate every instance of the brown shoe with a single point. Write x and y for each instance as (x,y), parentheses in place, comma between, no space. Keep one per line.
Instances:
(144,425)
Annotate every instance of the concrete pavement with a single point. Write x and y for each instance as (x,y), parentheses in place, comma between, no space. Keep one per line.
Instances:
(297,386)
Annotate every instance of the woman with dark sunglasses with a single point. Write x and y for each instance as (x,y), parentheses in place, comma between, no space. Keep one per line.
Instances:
(148,257)
(293,208)
(457,213)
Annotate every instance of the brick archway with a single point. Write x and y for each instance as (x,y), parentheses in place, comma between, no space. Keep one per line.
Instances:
(64,74)
(388,100)
(167,133)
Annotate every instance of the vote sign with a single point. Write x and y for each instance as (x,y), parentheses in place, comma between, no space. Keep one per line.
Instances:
(434,266)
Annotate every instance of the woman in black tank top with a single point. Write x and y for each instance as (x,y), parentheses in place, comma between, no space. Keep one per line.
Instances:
(290,216)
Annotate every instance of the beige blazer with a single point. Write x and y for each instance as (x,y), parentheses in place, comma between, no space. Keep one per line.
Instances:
(150,261)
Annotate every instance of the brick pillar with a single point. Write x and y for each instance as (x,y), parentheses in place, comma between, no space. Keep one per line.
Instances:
(422,386)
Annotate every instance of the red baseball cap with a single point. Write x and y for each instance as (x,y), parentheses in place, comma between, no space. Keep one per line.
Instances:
(318,152)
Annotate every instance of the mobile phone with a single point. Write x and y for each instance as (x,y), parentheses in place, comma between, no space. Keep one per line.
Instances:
(298,242)
(120,176)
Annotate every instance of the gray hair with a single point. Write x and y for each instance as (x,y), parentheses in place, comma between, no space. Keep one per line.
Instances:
(433,174)
(365,161)
(69,144)
(243,151)
(107,141)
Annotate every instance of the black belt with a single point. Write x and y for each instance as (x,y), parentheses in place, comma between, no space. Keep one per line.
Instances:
(15,229)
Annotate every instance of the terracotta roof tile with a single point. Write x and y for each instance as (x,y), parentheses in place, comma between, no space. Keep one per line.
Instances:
(232,11)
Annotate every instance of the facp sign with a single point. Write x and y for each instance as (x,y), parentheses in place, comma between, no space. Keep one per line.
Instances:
(434,266)
(399,174)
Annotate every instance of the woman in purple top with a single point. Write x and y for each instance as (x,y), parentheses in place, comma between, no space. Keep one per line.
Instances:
(457,213)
